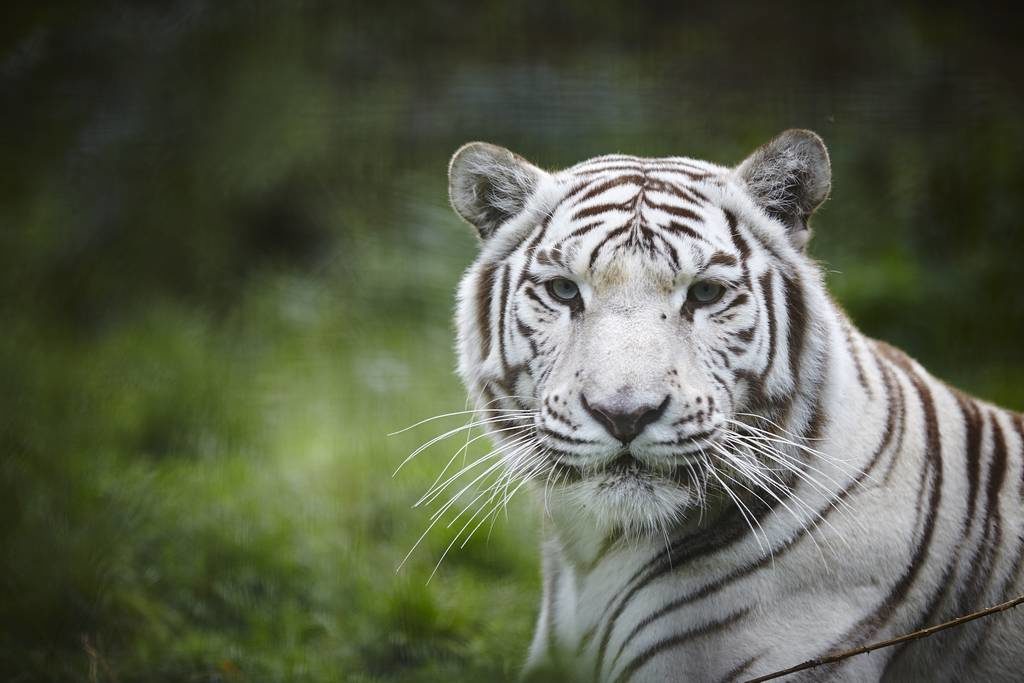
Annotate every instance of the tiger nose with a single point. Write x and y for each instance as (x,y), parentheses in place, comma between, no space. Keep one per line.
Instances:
(625,424)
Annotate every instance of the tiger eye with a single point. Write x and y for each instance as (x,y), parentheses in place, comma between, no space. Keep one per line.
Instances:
(705,292)
(563,289)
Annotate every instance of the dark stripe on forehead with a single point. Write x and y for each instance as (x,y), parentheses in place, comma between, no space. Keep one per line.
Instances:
(636,179)
(532,248)
(607,159)
(683,229)
(677,211)
(598,209)
(689,194)
(597,248)
(670,250)
(737,239)
(544,257)
(611,168)
(580,232)
(639,167)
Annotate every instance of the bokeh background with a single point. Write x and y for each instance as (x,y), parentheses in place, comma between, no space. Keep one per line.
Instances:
(227,266)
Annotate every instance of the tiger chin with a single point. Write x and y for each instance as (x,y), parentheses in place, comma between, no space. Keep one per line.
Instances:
(734,479)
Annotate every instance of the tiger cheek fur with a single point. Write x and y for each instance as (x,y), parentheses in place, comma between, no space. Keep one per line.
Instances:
(735,479)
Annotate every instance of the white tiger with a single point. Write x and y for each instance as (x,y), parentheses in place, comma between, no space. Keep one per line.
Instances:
(736,479)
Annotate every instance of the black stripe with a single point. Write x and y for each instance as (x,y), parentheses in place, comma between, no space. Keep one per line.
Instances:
(562,437)
(661,167)
(721,258)
(689,194)
(734,232)
(597,247)
(972,450)
(503,306)
(677,211)
(682,228)
(851,348)
(1018,426)
(884,441)
(598,209)
(532,294)
(528,333)
(599,188)
(676,640)
(731,527)
(738,670)
(737,300)
(531,248)
(767,285)
(931,481)
(484,297)
(578,232)
(796,323)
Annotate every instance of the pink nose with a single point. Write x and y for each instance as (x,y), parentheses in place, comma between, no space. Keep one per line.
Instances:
(625,424)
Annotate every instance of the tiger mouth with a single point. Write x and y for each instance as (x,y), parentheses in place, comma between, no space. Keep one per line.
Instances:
(627,467)
(626,464)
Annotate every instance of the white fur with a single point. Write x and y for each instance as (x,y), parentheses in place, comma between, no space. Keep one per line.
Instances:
(801,600)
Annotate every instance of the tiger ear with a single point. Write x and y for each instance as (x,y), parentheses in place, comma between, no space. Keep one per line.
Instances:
(789,178)
(488,185)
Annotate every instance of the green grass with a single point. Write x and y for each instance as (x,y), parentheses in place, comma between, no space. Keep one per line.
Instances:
(200,497)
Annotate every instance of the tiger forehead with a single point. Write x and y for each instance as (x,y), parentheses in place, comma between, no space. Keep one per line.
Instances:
(623,164)
(635,274)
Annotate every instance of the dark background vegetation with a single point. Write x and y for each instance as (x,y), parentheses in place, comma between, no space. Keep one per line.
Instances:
(227,263)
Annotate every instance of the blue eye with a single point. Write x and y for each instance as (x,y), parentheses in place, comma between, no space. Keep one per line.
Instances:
(563,289)
(705,292)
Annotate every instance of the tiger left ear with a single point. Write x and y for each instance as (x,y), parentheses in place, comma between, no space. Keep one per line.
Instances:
(490,185)
(789,178)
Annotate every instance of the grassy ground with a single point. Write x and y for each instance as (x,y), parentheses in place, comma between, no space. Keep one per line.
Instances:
(210,497)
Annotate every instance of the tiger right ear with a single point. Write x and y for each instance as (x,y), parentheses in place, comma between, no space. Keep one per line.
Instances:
(789,178)
(489,185)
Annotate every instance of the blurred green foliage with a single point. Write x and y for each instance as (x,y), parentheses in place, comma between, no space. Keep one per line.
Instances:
(227,273)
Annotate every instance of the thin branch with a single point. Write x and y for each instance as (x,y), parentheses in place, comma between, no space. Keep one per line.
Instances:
(923,633)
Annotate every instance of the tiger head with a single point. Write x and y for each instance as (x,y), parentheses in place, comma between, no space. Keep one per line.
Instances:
(625,315)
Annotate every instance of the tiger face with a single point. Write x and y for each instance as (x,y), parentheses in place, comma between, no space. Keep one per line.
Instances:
(619,316)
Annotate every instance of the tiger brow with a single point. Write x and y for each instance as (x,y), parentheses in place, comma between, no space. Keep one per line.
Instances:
(722,258)
(551,256)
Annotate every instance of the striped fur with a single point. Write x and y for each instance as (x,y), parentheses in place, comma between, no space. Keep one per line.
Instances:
(797,489)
